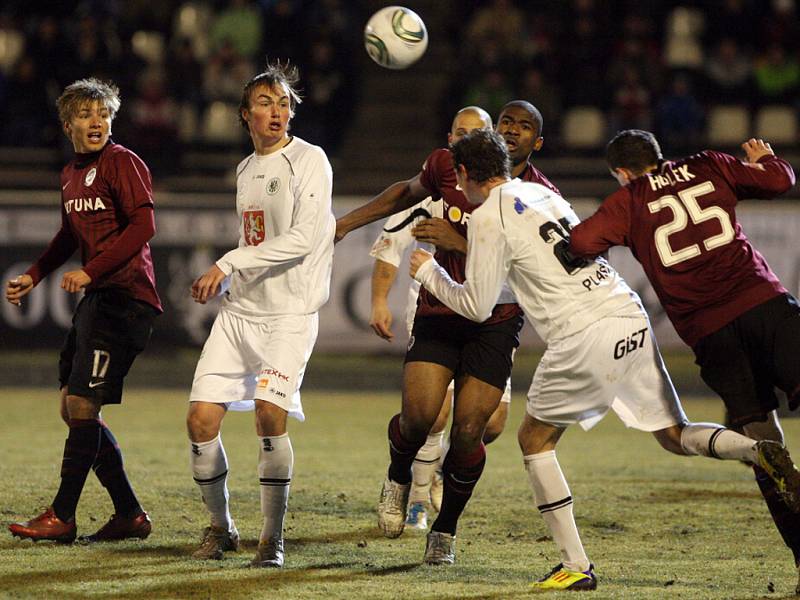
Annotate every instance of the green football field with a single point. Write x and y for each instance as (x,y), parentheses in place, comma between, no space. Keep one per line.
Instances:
(656,525)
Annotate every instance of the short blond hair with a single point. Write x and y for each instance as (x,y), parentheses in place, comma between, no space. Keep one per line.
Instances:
(83,91)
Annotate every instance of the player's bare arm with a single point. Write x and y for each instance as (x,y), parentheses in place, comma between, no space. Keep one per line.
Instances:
(418,258)
(398,196)
(383,276)
(756,149)
(18,288)
(441,234)
(75,281)
(207,285)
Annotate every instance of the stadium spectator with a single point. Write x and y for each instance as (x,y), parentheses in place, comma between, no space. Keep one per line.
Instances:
(275,282)
(224,72)
(240,24)
(588,317)
(107,214)
(729,73)
(719,292)
(777,75)
(679,115)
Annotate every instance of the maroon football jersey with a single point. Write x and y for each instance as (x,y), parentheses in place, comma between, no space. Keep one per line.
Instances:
(439,178)
(680,224)
(107,214)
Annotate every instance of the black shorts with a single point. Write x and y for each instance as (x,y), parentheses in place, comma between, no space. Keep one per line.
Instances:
(752,355)
(108,330)
(465,347)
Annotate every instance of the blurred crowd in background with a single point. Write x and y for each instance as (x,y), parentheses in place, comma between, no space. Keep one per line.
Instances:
(665,66)
(654,65)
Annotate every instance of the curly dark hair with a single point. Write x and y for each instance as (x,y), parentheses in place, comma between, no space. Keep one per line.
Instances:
(275,73)
(484,154)
(633,149)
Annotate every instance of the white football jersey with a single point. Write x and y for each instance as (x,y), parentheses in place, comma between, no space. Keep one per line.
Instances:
(519,234)
(283,262)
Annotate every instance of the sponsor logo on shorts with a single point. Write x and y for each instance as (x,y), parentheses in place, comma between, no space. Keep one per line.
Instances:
(89,179)
(276,392)
(276,373)
(263,383)
(94,384)
(267,445)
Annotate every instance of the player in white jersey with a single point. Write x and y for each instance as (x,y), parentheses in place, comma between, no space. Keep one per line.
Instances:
(388,251)
(601,353)
(274,283)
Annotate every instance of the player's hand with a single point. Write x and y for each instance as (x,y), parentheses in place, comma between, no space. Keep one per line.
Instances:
(17,288)
(207,285)
(418,258)
(755,149)
(440,233)
(381,321)
(75,281)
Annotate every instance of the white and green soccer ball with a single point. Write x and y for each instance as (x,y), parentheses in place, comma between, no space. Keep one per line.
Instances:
(395,37)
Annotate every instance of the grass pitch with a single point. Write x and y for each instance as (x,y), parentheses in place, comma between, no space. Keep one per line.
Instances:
(656,525)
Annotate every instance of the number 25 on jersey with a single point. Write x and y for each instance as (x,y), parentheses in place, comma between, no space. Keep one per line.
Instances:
(684,208)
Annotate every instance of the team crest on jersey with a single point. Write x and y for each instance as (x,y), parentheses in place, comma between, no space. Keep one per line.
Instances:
(273,185)
(89,179)
(519,206)
(253,221)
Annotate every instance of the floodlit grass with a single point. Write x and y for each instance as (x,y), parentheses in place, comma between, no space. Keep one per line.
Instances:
(656,525)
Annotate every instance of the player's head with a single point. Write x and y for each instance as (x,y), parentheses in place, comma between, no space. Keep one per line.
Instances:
(520,123)
(468,119)
(480,156)
(86,109)
(269,100)
(631,154)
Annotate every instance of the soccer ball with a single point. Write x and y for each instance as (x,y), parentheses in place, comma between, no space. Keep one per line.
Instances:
(395,37)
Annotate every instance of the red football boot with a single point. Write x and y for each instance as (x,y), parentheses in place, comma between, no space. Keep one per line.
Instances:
(47,526)
(121,528)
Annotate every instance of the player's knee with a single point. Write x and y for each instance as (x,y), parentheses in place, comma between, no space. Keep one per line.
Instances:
(466,434)
(670,439)
(496,424)
(202,425)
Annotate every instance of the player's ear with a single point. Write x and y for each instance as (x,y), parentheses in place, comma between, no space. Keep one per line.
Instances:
(537,145)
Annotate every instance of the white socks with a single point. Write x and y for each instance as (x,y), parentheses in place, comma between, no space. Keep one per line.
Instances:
(552,496)
(710,439)
(275,463)
(424,466)
(210,470)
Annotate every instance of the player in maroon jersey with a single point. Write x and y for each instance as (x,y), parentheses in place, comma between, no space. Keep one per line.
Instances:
(445,346)
(679,220)
(106,214)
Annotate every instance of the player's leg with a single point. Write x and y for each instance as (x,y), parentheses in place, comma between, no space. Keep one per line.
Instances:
(283,353)
(125,333)
(221,378)
(275,467)
(497,422)
(424,388)
(423,470)
(553,499)
(209,465)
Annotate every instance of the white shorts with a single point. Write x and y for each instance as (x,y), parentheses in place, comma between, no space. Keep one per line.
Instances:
(243,360)
(614,363)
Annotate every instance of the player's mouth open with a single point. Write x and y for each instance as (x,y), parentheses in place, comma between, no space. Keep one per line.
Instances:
(275,126)
(511,143)
(95,136)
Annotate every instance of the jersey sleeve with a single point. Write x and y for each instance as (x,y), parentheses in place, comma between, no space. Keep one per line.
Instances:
(132,188)
(769,177)
(310,216)
(487,268)
(390,246)
(430,177)
(609,226)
